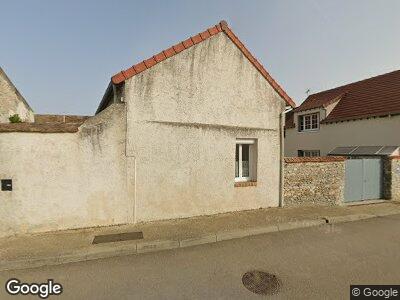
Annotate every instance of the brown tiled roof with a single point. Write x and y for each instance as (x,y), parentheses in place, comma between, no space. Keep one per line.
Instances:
(289,119)
(60,118)
(47,124)
(372,97)
(40,127)
(221,27)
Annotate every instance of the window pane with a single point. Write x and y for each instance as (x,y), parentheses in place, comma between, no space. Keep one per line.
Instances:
(245,160)
(237,161)
(315,153)
(314,124)
(308,122)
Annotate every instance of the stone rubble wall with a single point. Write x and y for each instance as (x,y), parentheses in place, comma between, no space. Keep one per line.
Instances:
(395,178)
(311,181)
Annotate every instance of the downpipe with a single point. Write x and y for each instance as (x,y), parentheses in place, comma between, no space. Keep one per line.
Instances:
(282,117)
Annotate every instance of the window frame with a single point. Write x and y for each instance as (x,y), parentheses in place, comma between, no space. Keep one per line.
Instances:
(303,153)
(308,119)
(252,159)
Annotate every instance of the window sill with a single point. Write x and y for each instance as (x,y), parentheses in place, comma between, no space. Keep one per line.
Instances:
(309,131)
(245,183)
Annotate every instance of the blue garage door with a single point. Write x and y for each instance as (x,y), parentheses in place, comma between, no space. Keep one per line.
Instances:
(363,179)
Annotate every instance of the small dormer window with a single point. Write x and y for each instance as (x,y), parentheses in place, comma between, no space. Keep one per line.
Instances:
(309,122)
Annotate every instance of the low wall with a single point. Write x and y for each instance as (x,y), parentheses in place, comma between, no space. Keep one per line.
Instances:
(392,178)
(63,179)
(396,178)
(311,181)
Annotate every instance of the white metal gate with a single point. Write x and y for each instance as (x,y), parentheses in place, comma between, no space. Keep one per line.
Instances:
(363,179)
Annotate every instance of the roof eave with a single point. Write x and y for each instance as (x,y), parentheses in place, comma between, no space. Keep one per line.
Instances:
(355,118)
(104,101)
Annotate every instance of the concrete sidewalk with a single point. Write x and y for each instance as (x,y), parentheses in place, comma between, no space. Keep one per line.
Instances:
(60,247)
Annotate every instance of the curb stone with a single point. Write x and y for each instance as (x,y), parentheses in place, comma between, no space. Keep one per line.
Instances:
(348,218)
(207,239)
(300,224)
(229,235)
(156,246)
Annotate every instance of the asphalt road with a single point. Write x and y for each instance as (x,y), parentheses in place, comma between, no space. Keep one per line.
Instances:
(312,263)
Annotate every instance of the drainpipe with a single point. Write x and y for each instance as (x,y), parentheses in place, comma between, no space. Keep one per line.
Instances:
(282,117)
(129,157)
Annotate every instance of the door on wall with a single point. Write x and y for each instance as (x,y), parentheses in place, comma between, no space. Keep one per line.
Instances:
(363,179)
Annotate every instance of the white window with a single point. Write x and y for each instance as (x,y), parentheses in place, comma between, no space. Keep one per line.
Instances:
(308,153)
(309,122)
(246,160)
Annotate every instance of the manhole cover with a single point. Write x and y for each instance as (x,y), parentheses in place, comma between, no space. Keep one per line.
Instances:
(261,282)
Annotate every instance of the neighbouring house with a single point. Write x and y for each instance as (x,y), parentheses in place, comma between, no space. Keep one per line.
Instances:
(12,102)
(356,119)
(196,129)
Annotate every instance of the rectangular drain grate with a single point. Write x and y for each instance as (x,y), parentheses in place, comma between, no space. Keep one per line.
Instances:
(118,237)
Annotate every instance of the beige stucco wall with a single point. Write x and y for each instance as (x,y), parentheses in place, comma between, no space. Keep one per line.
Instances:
(365,132)
(11,102)
(167,151)
(66,180)
(184,116)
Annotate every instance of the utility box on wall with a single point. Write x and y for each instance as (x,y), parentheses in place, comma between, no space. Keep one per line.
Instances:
(6,184)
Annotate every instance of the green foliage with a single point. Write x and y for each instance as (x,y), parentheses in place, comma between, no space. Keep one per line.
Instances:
(15,119)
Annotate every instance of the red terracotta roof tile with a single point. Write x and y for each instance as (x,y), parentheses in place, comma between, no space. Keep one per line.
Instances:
(150,62)
(179,47)
(129,72)
(196,39)
(119,77)
(221,27)
(188,43)
(140,67)
(372,97)
(169,52)
(160,57)
(205,35)
(213,30)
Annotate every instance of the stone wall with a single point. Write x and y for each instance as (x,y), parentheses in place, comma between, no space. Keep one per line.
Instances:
(313,181)
(392,178)
(12,102)
(396,178)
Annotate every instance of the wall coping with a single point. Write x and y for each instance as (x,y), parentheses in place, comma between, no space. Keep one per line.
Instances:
(40,127)
(318,159)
